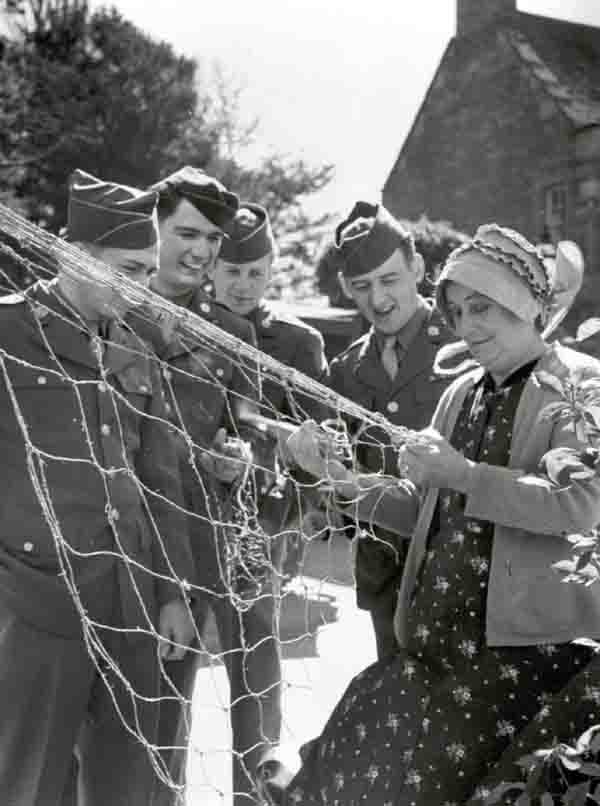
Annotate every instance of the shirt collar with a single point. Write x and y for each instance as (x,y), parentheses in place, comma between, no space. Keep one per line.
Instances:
(519,375)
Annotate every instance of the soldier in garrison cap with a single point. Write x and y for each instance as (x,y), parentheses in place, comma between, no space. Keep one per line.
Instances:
(210,393)
(241,277)
(389,370)
(91,403)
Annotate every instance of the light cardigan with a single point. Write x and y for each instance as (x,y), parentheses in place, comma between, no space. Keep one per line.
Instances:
(527,601)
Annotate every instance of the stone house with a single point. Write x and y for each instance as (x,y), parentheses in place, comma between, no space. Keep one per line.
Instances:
(509,131)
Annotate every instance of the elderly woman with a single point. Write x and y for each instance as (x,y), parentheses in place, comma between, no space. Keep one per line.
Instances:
(484,622)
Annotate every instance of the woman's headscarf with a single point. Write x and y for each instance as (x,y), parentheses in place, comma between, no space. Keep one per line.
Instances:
(504,266)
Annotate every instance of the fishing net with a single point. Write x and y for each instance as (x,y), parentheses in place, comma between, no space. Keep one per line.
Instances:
(274,534)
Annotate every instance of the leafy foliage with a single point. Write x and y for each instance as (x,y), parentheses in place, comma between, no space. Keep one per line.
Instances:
(90,90)
(98,94)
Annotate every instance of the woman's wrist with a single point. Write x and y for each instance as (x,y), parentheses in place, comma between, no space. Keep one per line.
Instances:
(464,480)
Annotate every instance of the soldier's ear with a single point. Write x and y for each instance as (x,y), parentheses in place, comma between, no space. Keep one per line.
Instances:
(344,286)
(418,266)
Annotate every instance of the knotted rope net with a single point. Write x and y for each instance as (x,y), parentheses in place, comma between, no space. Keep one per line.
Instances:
(158,383)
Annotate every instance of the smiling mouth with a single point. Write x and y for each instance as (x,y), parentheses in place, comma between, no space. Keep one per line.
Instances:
(193,267)
(385,313)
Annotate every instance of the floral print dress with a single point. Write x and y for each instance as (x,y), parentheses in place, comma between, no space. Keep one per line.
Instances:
(424,726)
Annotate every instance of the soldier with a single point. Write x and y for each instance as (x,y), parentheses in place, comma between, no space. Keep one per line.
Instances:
(241,277)
(210,393)
(86,557)
(390,370)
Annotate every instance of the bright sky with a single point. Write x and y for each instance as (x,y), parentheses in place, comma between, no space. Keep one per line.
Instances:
(335,81)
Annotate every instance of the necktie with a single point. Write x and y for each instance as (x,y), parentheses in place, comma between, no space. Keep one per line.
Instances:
(390,356)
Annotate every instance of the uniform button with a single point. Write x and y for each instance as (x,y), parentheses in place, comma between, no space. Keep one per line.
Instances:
(266,323)
(205,307)
(143,388)
(42,380)
(220,372)
(392,407)
(28,546)
(114,514)
(102,386)
(105,429)
(433,331)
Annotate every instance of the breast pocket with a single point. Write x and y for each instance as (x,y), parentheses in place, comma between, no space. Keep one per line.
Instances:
(197,393)
(47,406)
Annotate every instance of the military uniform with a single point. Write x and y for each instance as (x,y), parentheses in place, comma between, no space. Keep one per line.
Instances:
(81,420)
(293,343)
(409,400)
(207,390)
(299,346)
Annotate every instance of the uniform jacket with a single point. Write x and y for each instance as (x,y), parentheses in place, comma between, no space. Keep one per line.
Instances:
(79,425)
(527,601)
(295,344)
(299,346)
(206,388)
(410,400)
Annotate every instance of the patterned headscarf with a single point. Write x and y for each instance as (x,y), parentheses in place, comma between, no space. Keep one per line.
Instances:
(503,265)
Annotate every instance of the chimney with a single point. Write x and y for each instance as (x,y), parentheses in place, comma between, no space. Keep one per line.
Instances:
(472,15)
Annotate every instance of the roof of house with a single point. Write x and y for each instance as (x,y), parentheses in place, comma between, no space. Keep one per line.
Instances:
(565,58)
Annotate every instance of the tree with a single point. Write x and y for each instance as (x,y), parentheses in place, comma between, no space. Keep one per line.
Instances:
(98,94)
(90,90)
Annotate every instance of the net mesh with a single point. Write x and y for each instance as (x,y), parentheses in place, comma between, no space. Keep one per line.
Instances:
(112,437)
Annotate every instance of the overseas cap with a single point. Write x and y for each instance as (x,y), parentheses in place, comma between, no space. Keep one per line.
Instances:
(206,193)
(250,236)
(109,214)
(368,237)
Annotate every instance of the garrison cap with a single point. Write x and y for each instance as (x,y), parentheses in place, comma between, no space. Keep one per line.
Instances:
(109,214)
(250,236)
(206,193)
(368,237)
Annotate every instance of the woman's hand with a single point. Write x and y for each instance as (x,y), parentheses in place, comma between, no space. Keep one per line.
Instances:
(430,460)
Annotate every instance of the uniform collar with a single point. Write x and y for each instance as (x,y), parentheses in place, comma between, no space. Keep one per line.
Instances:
(261,317)
(55,323)
(418,357)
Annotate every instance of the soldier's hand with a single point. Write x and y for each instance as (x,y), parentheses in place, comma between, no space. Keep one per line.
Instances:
(229,457)
(315,452)
(176,628)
